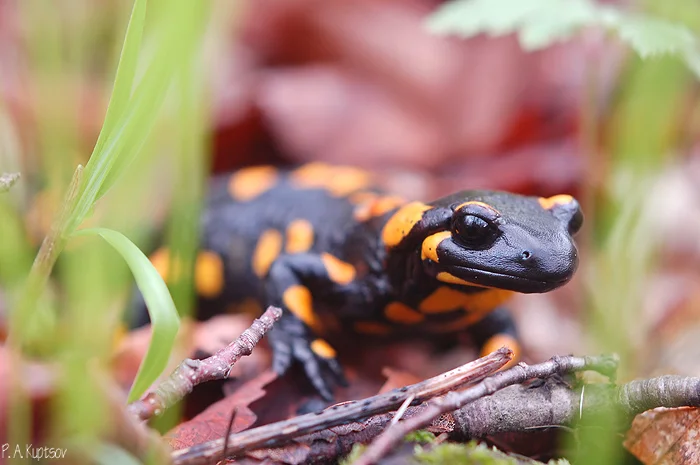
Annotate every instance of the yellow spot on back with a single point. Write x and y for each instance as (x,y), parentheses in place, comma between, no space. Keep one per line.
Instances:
(377,206)
(338,180)
(300,236)
(266,251)
(339,271)
(161,262)
(402,313)
(348,180)
(371,327)
(550,202)
(248,183)
(401,222)
(322,349)
(208,274)
(430,245)
(298,300)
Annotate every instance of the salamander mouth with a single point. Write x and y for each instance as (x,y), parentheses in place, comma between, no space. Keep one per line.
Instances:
(500,280)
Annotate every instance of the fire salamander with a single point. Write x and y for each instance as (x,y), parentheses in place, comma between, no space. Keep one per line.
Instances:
(338,255)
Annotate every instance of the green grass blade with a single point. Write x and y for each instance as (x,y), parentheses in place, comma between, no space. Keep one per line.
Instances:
(165,321)
(126,71)
(180,31)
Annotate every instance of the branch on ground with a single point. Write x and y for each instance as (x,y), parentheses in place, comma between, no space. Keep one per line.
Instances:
(539,403)
(454,400)
(280,432)
(191,372)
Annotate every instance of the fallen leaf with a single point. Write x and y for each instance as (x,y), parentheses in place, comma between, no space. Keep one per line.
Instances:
(665,436)
(213,422)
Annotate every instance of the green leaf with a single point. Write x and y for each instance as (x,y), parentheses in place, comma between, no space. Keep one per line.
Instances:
(126,71)
(165,321)
(541,23)
(180,28)
(176,33)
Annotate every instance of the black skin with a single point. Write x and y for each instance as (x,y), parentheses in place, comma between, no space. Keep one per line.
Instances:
(525,248)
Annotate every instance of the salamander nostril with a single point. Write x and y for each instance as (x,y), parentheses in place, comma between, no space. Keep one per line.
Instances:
(525,255)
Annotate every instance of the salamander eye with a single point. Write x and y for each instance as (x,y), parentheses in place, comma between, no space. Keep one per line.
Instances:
(473,231)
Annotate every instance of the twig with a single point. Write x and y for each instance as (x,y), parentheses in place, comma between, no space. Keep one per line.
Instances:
(190,372)
(454,400)
(7,180)
(282,431)
(518,408)
(228,431)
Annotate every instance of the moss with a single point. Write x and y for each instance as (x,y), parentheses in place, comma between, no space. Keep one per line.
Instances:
(472,453)
(420,436)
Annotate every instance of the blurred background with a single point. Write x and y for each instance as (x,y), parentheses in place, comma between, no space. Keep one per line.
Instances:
(364,82)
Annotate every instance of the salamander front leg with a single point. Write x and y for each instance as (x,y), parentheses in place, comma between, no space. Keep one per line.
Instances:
(496,330)
(290,284)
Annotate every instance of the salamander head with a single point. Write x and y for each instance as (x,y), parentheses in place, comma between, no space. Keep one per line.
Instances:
(502,240)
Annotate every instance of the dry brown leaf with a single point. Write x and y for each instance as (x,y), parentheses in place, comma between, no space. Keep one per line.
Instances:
(213,422)
(665,436)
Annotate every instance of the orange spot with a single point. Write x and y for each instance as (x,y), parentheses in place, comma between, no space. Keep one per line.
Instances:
(339,180)
(311,175)
(339,271)
(430,245)
(402,313)
(371,327)
(161,262)
(249,183)
(476,305)
(299,301)
(300,236)
(385,204)
(347,180)
(446,277)
(497,341)
(401,222)
(486,301)
(443,299)
(550,202)
(266,251)
(481,204)
(208,274)
(377,206)
(322,349)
